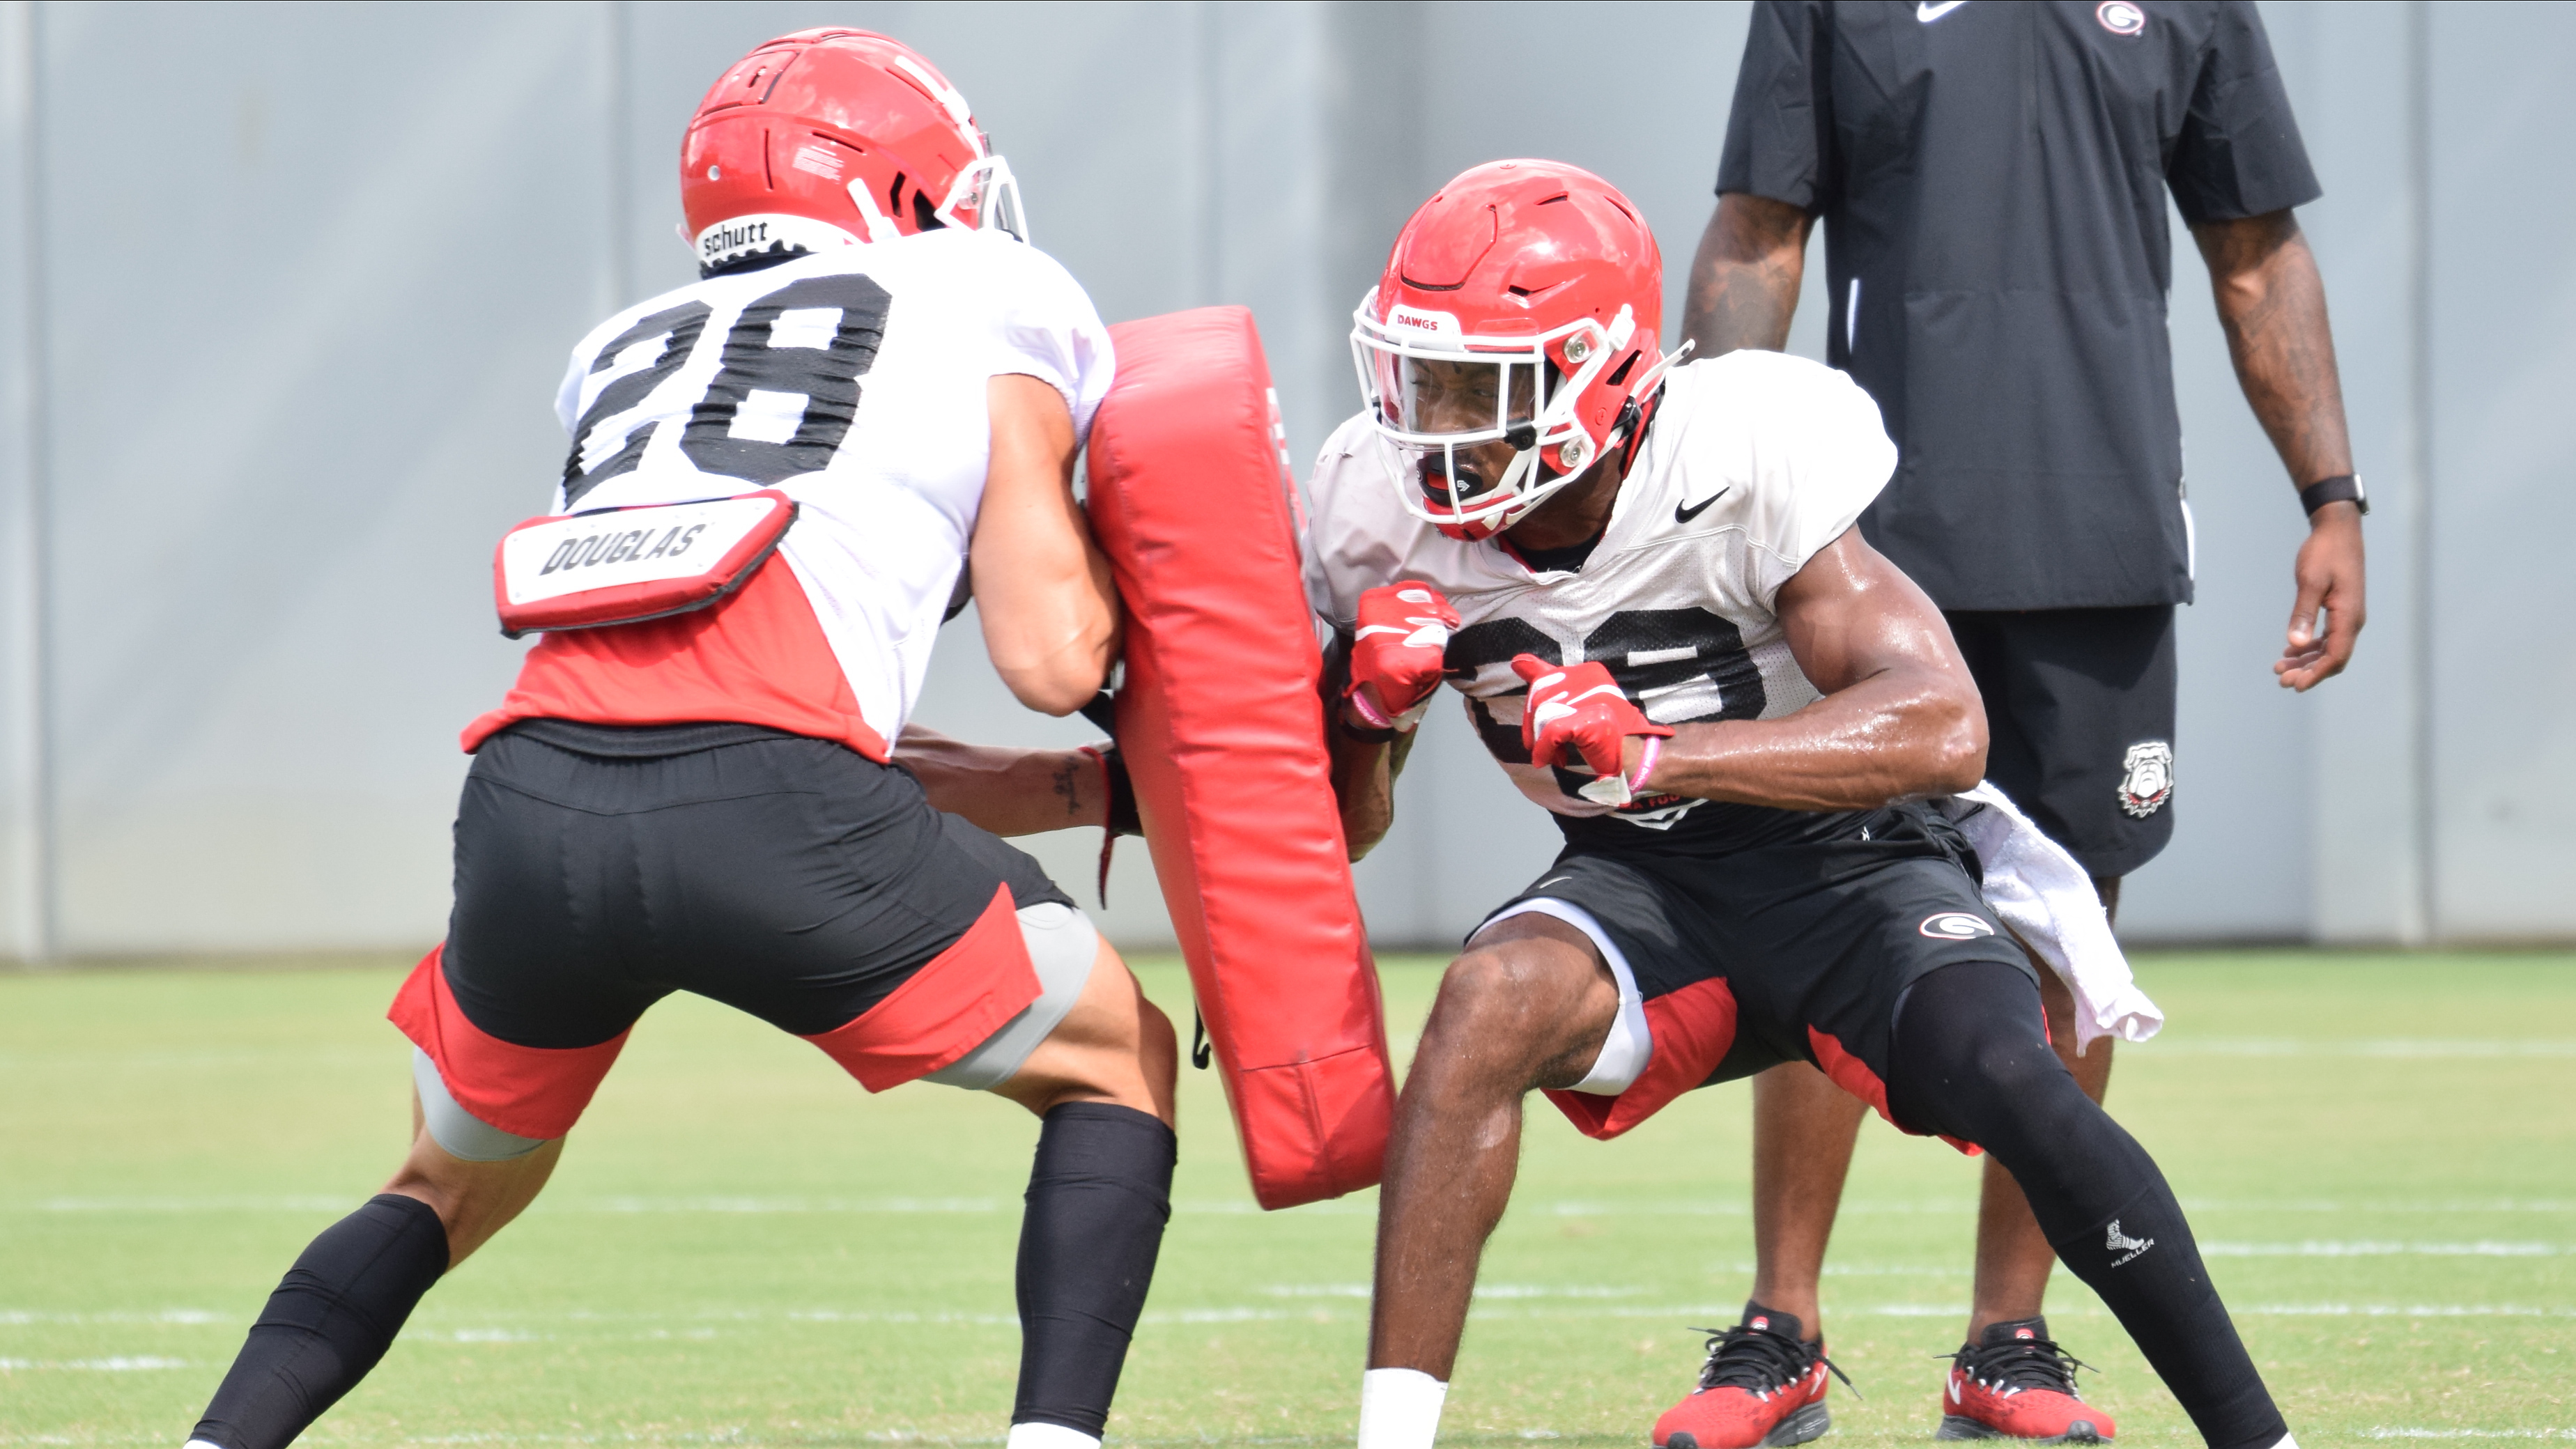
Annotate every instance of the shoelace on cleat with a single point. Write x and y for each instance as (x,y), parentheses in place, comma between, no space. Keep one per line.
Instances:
(1761,1362)
(2023,1363)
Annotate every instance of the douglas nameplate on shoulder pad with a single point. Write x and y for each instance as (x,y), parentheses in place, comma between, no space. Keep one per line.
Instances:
(622,565)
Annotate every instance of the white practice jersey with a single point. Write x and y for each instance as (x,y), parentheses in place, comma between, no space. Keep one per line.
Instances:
(854,382)
(1753,462)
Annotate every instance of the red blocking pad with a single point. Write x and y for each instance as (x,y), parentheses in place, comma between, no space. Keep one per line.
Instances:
(1222,726)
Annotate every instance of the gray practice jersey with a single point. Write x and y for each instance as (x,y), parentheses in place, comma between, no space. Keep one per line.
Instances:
(1753,462)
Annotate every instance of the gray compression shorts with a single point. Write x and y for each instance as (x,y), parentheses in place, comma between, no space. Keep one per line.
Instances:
(1062,945)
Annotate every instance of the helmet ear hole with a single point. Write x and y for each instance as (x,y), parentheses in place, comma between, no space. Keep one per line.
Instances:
(925,217)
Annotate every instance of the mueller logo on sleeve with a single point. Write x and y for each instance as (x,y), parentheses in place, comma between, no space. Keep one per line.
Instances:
(2124,1245)
(1955,926)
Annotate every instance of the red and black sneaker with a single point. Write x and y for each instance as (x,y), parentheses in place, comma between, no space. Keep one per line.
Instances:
(2016,1383)
(1760,1386)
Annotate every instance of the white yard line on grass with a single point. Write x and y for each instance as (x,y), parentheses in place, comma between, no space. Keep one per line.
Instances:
(2395,1433)
(99,1365)
(1363,1206)
(13,1317)
(2400,1048)
(2381,1250)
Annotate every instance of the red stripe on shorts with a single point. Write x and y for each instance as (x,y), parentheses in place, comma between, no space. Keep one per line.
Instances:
(1852,1075)
(1691,1029)
(961,996)
(530,1091)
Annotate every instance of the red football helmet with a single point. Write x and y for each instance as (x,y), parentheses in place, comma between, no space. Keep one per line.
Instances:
(834,138)
(1521,303)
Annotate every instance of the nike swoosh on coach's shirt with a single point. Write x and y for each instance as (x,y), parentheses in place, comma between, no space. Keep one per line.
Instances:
(1928,11)
(1682,514)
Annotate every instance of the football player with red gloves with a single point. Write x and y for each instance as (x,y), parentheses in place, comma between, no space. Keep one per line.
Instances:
(1580,713)
(1650,590)
(1395,654)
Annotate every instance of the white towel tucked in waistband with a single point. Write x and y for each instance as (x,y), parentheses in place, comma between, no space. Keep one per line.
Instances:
(2048,900)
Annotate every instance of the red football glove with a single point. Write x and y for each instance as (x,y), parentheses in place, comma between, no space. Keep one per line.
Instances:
(1580,710)
(1403,631)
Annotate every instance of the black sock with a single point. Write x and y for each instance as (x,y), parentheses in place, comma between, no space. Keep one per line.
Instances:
(1099,1195)
(1971,1059)
(331,1318)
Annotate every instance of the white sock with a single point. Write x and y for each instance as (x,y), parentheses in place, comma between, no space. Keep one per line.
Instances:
(2287,1443)
(1049,1436)
(1399,1408)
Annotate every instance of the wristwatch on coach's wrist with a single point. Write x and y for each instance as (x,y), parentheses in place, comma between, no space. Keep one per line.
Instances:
(2341,488)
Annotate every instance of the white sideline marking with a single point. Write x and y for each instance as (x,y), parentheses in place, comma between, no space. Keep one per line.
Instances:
(194,1204)
(2416,1310)
(104,1365)
(14,1317)
(1483,1290)
(771,1205)
(1892,1270)
(2380,1250)
(486,1335)
(2387,1433)
(1365,1206)
(2447,1208)
(2402,1048)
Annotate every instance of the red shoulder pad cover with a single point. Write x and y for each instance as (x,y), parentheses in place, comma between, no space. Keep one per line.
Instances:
(1221,723)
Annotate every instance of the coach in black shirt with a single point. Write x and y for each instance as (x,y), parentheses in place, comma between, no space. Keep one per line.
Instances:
(1992,178)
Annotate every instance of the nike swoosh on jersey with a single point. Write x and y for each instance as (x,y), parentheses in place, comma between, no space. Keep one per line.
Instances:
(1685,513)
(1928,11)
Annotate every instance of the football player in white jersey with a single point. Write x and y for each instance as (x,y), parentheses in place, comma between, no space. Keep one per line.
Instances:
(1646,581)
(778,480)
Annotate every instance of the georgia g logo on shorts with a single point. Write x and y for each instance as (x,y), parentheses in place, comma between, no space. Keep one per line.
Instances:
(1955,926)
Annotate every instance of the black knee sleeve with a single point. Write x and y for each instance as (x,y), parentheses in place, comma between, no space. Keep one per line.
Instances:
(331,1318)
(1098,1198)
(1971,1059)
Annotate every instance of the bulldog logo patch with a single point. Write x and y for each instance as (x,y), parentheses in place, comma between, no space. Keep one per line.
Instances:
(2146,778)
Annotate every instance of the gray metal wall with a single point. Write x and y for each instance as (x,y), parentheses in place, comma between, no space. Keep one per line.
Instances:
(285,290)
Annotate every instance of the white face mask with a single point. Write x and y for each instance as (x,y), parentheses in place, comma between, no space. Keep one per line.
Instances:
(1433,391)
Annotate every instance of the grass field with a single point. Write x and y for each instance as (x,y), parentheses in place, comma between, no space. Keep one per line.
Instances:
(741,1247)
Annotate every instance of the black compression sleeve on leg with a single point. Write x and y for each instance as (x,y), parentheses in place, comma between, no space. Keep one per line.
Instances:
(1099,1195)
(1971,1059)
(331,1318)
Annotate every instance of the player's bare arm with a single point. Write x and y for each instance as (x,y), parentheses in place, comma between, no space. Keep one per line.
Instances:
(1744,279)
(2272,302)
(1005,790)
(1043,590)
(1365,761)
(1900,719)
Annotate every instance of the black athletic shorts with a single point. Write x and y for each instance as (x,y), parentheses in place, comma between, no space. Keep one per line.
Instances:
(1791,952)
(600,868)
(2080,719)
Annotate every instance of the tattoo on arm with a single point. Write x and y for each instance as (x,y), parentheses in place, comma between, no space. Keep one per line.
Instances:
(1744,281)
(2272,303)
(1068,788)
